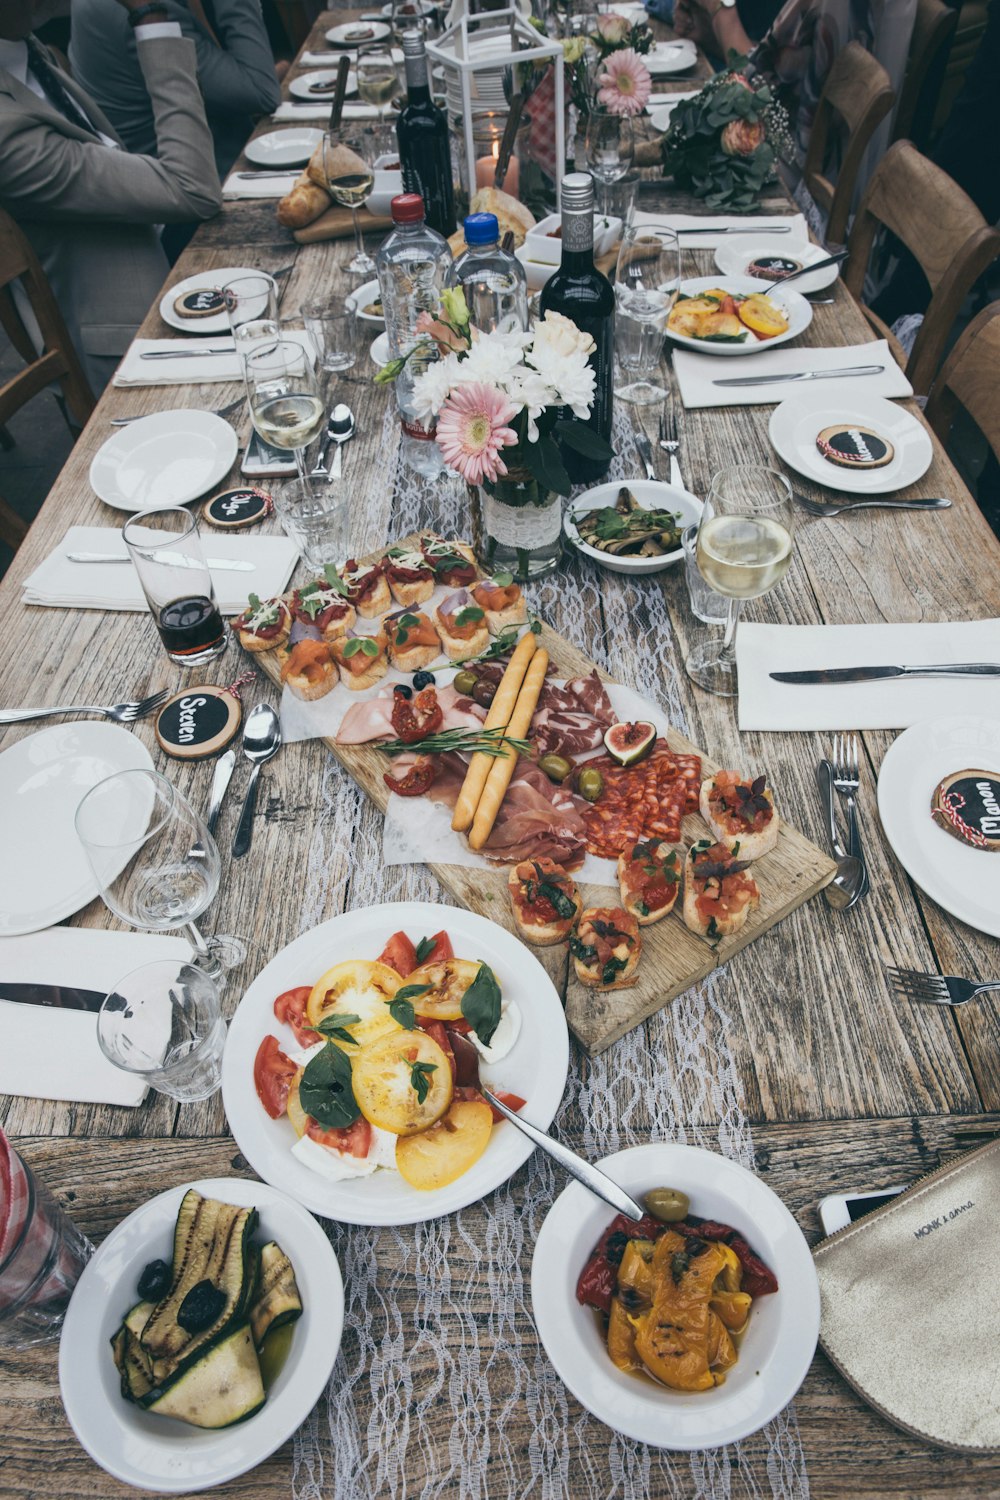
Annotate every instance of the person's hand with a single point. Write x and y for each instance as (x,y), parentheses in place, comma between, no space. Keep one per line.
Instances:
(693,21)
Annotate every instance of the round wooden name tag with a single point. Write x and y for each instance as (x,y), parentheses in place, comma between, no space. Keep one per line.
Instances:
(198,722)
(236,508)
(967,805)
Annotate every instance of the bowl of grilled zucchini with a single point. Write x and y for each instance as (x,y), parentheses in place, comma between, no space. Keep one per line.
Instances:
(631,528)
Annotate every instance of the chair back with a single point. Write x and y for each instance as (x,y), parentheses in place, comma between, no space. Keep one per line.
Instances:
(970,378)
(855,100)
(933,30)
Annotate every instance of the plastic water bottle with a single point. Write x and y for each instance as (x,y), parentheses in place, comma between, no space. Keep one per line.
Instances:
(496,290)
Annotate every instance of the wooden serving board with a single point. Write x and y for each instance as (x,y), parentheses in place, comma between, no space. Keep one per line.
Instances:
(673,958)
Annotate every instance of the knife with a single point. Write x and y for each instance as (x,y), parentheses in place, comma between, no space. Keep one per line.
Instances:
(224,564)
(645,452)
(220,783)
(737,229)
(184,353)
(63,997)
(878,674)
(804,375)
(282,172)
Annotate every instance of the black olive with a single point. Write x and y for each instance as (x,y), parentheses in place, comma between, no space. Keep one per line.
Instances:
(155,1280)
(484,692)
(403,690)
(200,1307)
(615,1248)
(422,680)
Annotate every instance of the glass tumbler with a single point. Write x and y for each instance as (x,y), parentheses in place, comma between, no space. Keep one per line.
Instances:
(314,517)
(164,1023)
(42,1255)
(166,550)
(252,307)
(334,332)
(706,604)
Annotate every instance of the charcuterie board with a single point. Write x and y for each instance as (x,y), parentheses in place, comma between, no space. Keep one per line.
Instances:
(673,958)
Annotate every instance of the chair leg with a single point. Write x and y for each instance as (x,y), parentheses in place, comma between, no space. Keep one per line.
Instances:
(13,528)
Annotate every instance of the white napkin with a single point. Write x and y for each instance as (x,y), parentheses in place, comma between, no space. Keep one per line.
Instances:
(201,369)
(68,585)
(259,187)
(332,58)
(745,223)
(290,111)
(697,372)
(766,704)
(50,1052)
(658,100)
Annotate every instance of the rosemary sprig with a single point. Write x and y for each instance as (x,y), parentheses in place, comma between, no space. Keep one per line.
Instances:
(489,741)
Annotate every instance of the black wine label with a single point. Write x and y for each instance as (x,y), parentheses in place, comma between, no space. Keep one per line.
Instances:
(198,722)
(966,804)
(237,508)
(773,267)
(854,447)
(203,302)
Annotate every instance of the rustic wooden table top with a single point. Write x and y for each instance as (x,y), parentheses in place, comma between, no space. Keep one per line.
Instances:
(843,1087)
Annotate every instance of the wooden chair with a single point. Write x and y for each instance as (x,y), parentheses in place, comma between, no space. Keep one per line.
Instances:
(930,43)
(944,232)
(969,379)
(855,100)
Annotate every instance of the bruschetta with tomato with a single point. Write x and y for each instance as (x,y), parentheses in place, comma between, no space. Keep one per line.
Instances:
(740,812)
(413,641)
(309,670)
(361,659)
(264,626)
(606,948)
(649,877)
(719,891)
(503,601)
(367,589)
(545,901)
(462,624)
(326,606)
(409,575)
(454,563)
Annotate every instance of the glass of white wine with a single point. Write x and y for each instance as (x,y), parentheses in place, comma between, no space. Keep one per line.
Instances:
(349,173)
(378,84)
(285,402)
(610,146)
(743,551)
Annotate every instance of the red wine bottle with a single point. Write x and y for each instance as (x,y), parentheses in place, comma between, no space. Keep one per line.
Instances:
(422,133)
(580,292)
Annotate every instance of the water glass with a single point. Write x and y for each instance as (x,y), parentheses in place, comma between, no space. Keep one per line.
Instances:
(42,1255)
(314,517)
(166,550)
(706,604)
(647,281)
(164,1023)
(334,332)
(251,300)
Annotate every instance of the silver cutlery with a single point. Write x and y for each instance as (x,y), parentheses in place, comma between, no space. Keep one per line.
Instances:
(645,452)
(224,768)
(939,989)
(278,172)
(340,430)
(846,886)
(185,353)
(848,373)
(739,229)
(830,508)
(670,443)
(879,674)
(846,781)
(591,1177)
(222,411)
(224,564)
(122,713)
(261,740)
(817,265)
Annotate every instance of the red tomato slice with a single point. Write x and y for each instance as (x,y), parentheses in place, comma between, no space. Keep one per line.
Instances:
(436,1029)
(512,1101)
(400,954)
(354,1139)
(291,1008)
(441,951)
(415,781)
(272,1076)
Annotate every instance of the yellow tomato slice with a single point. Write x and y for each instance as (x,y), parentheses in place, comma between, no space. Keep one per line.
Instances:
(360,987)
(441,1154)
(383,1076)
(448,982)
(294,1109)
(763,316)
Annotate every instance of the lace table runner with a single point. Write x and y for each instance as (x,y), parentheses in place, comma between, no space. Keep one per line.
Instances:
(442,1387)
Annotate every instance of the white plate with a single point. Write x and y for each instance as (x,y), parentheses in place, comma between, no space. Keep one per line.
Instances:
(171,1457)
(43,779)
(664,58)
(535,1067)
(283,148)
(339,36)
(303,86)
(361,298)
(165,459)
(379,351)
(799,313)
(536,274)
(651,495)
(218,322)
(965,881)
(734,255)
(795,423)
(775,1352)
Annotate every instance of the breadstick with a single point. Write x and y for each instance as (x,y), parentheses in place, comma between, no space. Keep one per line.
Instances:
(499,712)
(503,766)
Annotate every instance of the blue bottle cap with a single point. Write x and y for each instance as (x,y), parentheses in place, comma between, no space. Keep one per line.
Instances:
(481,229)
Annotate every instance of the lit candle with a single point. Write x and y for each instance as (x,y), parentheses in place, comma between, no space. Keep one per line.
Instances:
(486,167)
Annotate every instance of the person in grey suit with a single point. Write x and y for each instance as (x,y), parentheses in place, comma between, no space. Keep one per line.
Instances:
(235,69)
(90,208)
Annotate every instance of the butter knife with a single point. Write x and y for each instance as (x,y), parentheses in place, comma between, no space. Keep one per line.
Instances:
(879,674)
(252,176)
(738,229)
(59,996)
(184,353)
(848,372)
(220,783)
(224,564)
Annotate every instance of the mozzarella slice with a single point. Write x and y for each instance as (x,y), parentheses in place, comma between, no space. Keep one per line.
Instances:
(300,1056)
(336,1166)
(506,1034)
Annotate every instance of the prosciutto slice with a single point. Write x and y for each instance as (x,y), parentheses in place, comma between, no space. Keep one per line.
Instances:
(536,818)
(572,719)
(372,719)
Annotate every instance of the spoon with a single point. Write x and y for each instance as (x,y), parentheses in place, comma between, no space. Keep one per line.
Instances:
(261,740)
(847,886)
(817,265)
(340,431)
(592,1177)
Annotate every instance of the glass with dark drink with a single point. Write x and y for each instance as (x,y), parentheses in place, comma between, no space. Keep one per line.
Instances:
(166,549)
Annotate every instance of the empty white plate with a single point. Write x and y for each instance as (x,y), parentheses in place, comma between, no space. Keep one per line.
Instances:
(215,323)
(347,35)
(43,779)
(165,459)
(283,148)
(795,424)
(664,58)
(320,85)
(798,311)
(734,255)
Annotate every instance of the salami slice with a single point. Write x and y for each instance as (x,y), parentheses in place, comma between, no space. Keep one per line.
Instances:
(641,801)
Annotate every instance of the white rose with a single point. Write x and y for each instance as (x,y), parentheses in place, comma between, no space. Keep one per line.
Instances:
(561,335)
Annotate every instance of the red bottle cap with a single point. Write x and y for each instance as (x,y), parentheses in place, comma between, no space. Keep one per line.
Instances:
(407,208)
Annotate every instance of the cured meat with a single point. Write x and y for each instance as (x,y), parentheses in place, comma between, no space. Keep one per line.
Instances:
(571,719)
(536,819)
(372,720)
(642,801)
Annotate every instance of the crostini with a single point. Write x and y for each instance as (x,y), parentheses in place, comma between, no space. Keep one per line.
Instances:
(326,606)
(649,877)
(410,576)
(361,659)
(719,892)
(740,813)
(606,948)
(367,589)
(545,901)
(463,627)
(503,601)
(309,671)
(264,627)
(413,641)
(454,563)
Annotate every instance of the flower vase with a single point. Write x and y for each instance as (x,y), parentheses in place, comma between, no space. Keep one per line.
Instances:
(517,525)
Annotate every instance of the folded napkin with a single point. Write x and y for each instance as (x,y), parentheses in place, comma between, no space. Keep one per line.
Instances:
(894,704)
(290,111)
(259,187)
(658,100)
(69,585)
(331,59)
(51,1052)
(744,223)
(200,369)
(696,374)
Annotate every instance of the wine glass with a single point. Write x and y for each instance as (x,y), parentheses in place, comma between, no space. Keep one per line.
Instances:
(155,863)
(610,146)
(743,551)
(349,176)
(378,83)
(647,280)
(285,402)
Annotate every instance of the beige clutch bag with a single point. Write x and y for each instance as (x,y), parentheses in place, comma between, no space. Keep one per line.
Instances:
(910,1312)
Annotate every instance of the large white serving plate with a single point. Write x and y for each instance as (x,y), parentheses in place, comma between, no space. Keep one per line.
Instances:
(775,1352)
(282,148)
(652,494)
(43,780)
(797,308)
(965,881)
(794,426)
(218,322)
(162,460)
(535,1068)
(158,1453)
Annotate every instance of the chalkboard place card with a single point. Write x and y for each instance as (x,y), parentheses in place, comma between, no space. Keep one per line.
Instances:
(198,722)
(234,509)
(967,805)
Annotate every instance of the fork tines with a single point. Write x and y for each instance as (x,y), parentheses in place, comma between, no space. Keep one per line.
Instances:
(145,705)
(846,758)
(913,984)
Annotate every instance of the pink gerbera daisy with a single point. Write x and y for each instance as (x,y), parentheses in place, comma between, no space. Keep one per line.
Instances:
(472,428)
(624,86)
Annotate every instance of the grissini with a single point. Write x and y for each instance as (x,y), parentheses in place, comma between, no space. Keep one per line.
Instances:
(499,713)
(502,769)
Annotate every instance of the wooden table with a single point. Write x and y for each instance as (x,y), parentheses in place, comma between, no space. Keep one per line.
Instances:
(843,1087)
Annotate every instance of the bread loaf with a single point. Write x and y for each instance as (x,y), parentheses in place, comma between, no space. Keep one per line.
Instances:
(303,204)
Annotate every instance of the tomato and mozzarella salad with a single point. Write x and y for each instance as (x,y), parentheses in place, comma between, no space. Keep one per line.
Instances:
(380,1067)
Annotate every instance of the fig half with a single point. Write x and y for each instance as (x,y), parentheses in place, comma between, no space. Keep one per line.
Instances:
(630,741)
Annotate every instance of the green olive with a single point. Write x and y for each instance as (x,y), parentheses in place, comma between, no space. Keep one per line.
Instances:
(667,1204)
(556,767)
(590,784)
(464,683)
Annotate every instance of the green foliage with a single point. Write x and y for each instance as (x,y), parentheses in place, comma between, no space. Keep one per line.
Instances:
(692,149)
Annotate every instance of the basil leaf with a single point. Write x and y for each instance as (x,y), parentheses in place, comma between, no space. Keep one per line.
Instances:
(503,580)
(481,1004)
(325,1090)
(334,579)
(352,647)
(411,991)
(564,907)
(581,950)
(336,1026)
(424,948)
(363,643)
(469,615)
(403,1012)
(254,602)
(369,646)
(420,1078)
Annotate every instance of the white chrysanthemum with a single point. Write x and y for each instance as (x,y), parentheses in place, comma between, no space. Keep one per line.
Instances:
(569,374)
(494,356)
(430,390)
(527,388)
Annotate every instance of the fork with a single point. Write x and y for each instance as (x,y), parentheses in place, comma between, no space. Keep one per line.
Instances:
(222,411)
(939,989)
(846,780)
(122,713)
(670,443)
(828,508)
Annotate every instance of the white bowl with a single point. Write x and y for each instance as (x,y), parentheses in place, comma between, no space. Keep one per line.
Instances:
(388,185)
(734,255)
(361,298)
(545,250)
(775,1352)
(652,494)
(536,273)
(798,309)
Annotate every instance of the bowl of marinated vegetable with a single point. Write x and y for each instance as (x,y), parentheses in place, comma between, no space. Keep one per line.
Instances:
(631,528)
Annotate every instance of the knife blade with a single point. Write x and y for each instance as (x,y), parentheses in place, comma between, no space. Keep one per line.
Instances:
(281,172)
(224,564)
(220,783)
(185,353)
(738,229)
(878,674)
(62,997)
(804,375)
(645,452)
